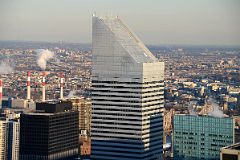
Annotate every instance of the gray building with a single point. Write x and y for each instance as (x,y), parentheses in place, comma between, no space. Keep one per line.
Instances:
(127,95)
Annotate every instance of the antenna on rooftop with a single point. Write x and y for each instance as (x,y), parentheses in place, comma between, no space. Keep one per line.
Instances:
(94,14)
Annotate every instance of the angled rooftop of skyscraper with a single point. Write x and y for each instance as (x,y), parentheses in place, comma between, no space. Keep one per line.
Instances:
(125,38)
(127,94)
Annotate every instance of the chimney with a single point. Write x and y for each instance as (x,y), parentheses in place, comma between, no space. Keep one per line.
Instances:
(61,85)
(43,87)
(28,85)
(1,93)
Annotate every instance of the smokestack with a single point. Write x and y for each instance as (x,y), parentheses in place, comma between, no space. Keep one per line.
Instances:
(61,85)
(43,87)
(28,85)
(1,93)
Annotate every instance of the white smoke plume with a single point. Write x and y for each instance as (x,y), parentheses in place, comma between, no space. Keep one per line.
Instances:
(191,109)
(216,111)
(43,56)
(71,94)
(5,68)
(57,60)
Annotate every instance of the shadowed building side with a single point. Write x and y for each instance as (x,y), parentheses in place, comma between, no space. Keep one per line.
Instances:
(51,134)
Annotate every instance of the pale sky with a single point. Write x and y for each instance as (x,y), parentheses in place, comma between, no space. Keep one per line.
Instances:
(163,22)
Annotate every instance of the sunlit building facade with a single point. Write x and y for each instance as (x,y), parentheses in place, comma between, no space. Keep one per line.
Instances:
(3,139)
(83,105)
(9,139)
(127,95)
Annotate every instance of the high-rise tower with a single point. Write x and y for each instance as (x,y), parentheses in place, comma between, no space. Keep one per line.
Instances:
(9,139)
(127,95)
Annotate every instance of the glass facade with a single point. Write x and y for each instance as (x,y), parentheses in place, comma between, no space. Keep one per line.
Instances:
(201,137)
(127,95)
(49,136)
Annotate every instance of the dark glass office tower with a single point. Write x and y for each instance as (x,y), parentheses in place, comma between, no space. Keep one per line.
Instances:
(51,134)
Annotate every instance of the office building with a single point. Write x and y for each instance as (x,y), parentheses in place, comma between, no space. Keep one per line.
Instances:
(83,105)
(201,137)
(231,152)
(9,139)
(52,133)
(3,139)
(127,95)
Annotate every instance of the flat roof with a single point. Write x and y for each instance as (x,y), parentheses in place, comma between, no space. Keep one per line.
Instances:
(55,101)
(39,113)
(235,146)
(200,115)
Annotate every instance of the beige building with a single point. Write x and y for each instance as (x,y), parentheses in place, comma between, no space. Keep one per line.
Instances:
(83,105)
(231,152)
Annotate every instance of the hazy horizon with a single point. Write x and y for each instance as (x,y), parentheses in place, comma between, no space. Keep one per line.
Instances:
(155,22)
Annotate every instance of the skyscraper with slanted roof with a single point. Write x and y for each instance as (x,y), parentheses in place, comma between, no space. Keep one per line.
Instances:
(127,94)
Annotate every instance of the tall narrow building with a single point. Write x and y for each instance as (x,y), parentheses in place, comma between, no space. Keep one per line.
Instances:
(127,95)
(3,139)
(9,139)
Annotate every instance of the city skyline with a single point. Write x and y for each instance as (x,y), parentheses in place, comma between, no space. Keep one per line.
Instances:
(156,22)
(131,98)
(76,82)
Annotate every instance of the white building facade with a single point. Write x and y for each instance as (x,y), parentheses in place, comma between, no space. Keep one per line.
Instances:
(9,140)
(127,95)
(3,140)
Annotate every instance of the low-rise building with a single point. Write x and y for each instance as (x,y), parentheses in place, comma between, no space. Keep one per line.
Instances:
(231,152)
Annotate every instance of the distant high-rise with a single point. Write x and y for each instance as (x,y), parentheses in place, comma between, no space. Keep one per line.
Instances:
(51,134)
(127,95)
(9,139)
(201,137)
(3,139)
(83,105)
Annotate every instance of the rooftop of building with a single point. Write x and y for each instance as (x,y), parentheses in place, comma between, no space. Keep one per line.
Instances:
(39,113)
(208,116)
(235,146)
(126,38)
(52,101)
(53,106)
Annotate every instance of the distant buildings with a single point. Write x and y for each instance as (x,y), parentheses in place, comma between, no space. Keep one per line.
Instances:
(51,134)
(127,95)
(9,139)
(231,152)
(201,137)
